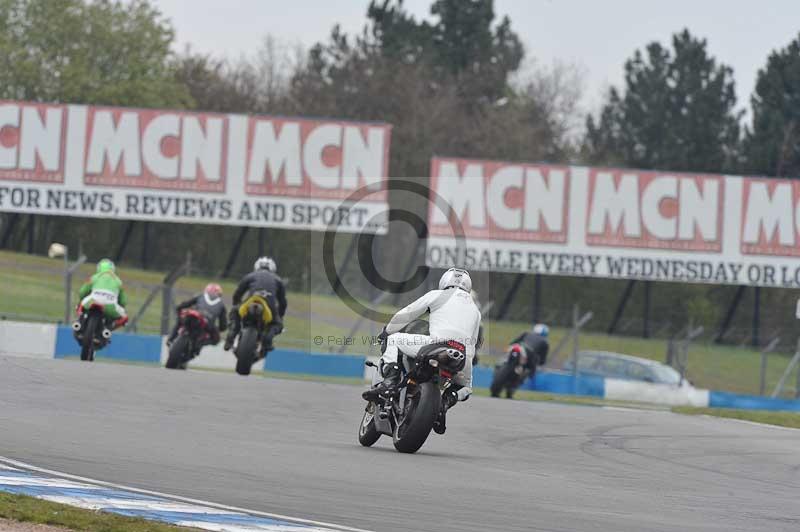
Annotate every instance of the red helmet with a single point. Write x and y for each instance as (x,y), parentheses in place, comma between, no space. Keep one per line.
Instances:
(213,290)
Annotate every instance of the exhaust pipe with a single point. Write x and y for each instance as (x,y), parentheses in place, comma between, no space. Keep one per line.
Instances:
(106,334)
(76,326)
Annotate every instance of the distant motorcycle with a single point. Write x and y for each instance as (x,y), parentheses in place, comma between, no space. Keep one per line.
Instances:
(511,373)
(252,343)
(410,412)
(192,336)
(90,329)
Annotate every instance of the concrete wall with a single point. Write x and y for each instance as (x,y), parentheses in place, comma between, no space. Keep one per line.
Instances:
(27,339)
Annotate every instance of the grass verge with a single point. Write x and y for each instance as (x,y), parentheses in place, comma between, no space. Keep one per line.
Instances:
(768,417)
(32,510)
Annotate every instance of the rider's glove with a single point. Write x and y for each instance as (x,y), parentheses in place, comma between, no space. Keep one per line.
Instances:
(383,335)
(382,340)
(233,313)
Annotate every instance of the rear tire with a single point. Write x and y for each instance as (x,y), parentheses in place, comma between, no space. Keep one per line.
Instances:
(246,350)
(177,353)
(89,332)
(501,378)
(412,431)
(367,433)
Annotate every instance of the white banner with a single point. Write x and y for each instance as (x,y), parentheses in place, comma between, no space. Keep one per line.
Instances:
(174,166)
(614,223)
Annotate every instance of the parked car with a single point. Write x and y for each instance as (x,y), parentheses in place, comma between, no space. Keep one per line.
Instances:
(619,366)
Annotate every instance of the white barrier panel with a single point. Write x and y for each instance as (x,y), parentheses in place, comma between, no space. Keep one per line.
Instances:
(211,356)
(28,339)
(663,394)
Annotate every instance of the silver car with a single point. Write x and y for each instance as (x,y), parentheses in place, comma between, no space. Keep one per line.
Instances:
(619,366)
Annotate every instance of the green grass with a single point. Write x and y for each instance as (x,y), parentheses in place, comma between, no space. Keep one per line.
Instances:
(782,419)
(33,290)
(33,510)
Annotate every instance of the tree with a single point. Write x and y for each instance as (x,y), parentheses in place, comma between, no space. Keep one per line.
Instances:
(772,146)
(677,112)
(103,51)
(254,84)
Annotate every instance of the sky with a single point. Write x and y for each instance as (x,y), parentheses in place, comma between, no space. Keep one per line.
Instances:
(596,36)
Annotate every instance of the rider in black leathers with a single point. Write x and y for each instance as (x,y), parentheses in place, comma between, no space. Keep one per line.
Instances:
(263,279)
(536,346)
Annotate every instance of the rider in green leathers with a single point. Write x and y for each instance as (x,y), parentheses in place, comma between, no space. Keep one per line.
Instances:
(105,288)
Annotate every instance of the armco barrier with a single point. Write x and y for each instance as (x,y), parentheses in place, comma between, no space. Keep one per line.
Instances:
(128,347)
(751,402)
(566,383)
(290,361)
(29,339)
(664,394)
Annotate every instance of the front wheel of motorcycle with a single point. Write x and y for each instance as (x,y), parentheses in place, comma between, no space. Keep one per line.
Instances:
(419,415)
(367,433)
(177,352)
(501,378)
(89,334)
(246,350)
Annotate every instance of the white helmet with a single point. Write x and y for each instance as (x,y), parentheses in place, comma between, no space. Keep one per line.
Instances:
(456,277)
(265,263)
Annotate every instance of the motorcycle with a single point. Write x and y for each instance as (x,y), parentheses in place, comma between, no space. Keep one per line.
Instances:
(90,330)
(510,374)
(410,412)
(256,334)
(192,336)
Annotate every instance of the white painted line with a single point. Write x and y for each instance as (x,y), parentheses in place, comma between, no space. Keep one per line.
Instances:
(309,522)
(48,482)
(244,528)
(98,503)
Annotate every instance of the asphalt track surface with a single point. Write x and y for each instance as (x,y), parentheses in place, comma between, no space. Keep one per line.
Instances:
(290,447)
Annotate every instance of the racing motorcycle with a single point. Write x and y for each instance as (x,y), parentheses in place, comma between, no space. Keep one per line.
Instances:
(192,336)
(251,345)
(90,329)
(509,375)
(414,406)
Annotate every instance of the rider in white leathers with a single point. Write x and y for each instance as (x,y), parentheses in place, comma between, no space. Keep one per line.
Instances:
(453,316)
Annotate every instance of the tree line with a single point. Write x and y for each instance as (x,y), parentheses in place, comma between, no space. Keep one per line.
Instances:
(457,84)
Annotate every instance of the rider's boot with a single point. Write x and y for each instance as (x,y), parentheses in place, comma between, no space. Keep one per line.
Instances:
(229,341)
(391,377)
(449,400)
(233,330)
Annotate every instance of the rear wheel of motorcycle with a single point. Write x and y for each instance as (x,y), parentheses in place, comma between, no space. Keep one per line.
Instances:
(367,433)
(246,351)
(420,413)
(177,352)
(89,333)
(501,378)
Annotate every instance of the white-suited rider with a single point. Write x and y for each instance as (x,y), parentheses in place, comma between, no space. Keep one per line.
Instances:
(453,316)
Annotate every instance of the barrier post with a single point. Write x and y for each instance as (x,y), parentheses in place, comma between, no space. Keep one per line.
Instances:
(165,285)
(792,363)
(691,334)
(69,271)
(764,352)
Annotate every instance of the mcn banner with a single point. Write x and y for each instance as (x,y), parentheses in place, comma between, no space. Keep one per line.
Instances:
(107,162)
(615,223)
